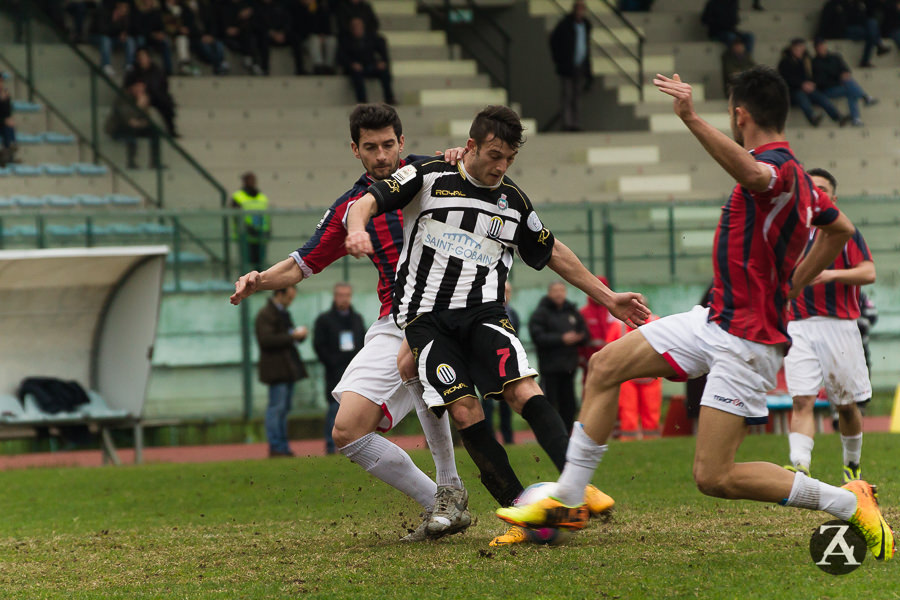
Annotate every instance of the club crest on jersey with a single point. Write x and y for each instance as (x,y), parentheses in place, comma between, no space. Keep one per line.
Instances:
(322,220)
(502,203)
(534,222)
(542,237)
(445,374)
(404,174)
(495,227)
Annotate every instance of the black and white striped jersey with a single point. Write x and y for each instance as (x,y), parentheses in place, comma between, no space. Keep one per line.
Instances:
(459,237)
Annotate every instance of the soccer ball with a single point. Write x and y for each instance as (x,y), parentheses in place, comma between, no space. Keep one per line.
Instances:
(541,535)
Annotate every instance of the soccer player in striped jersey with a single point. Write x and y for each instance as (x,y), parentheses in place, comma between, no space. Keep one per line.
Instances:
(741,338)
(827,347)
(372,394)
(462,225)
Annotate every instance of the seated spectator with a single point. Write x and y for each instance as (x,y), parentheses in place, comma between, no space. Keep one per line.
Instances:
(315,24)
(721,20)
(832,76)
(174,20)
(156,85)
(126,123)
(238,33)
(853,20)
(151,32)
(8,145)
(115,27)
(273,23)
(735,60)
(348,10)
(200,21)
(796,69)
(365,55)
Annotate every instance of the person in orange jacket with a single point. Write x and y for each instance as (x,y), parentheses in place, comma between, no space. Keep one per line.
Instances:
(639,399)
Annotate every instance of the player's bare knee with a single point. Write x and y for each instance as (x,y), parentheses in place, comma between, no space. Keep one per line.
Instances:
(344,433)
(466,412)
(803,403)
(601,370)
(710,482)
(518,393)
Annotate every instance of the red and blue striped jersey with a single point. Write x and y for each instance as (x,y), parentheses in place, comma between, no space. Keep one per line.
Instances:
(327,243)
(759,239)
(835,299)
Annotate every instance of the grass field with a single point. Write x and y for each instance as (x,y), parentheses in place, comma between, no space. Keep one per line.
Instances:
(322,528)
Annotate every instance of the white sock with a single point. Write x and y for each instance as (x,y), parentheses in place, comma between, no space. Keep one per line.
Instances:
(437,434)
(582,458)
(389,463)
(852,445)
(801,449)
(813,494)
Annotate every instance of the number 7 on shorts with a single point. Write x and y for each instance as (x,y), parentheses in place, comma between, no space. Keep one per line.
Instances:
(503,353)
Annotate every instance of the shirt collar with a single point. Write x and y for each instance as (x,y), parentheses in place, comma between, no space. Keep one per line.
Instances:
(770,146)
(475,182)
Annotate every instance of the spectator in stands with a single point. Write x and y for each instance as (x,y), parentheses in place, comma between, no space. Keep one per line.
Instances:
(127,122)
(570,48)
(721,19)
(557,329)
(338,335)
(79,10)
(597,319)
(151,31)
(363,55)
(735,60)
(280,366)
(8,145)
(115,27)
(253,233)
(238,33)
(796,69)
(201,23)
(890,25)
(316,26)
(832,76)
(175,18)
(273,23)
(854,20)
(488,404)
(157,85)
(640,400)
(635,5)
(348,10)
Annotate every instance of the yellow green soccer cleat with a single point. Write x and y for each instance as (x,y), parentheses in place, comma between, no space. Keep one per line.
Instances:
(851,472)
(798,469)
(597,502)
(547,512)
(515,535)
(869,521)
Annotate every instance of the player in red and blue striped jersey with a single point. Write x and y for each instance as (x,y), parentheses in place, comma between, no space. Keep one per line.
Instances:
(741,338)
(827,346)
(372,394)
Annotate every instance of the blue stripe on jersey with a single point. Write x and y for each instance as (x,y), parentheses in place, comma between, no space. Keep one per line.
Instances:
(727,311)
(831,299)
(395,227)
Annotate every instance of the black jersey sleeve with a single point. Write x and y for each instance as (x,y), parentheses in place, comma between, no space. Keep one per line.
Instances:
(399,189)
(535,242)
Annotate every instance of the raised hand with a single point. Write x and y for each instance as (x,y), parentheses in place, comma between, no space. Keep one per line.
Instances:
(680,91)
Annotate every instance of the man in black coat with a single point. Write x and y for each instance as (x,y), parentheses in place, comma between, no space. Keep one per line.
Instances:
(157,84)
(557,329)
(274,28)
(364,54)
(570,47)
(338,335)
(280,366)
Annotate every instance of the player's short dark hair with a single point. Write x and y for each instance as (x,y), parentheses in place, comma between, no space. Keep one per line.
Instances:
(824,175)
(374,116)
(762,92)
(501,121)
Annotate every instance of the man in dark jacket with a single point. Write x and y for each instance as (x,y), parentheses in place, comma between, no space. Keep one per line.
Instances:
(315,23)
(796,69)
(115,25)
(557,329)
(853,20)
(338,335)
(721,19)
(157,85)
(274,28)
(570,47)
(280,366)
(832,76)
(127,122)
(364,54)
(237,31)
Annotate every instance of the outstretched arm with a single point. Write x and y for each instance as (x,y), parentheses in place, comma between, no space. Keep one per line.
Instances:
(627,306)
(358,242)
(739,163)
(280,275)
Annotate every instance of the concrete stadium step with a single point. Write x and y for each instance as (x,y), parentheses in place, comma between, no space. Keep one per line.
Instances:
(50,153)
(407,68)
(455,97)
(414,39)
(601,65)
(458,129)
(550,8)
(628,94)
(66,186)
(768,26)
(384,8)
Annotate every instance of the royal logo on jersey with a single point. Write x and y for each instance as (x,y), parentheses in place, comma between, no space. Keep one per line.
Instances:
(543,235)
(392,185)
(404,174)
(322,220)
(506,323)
(502,203)
(495,227)
(534,222)
(445,374)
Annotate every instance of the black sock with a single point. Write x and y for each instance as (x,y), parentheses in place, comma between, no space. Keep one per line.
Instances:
(548,428)
(492,461)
